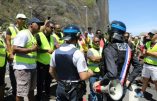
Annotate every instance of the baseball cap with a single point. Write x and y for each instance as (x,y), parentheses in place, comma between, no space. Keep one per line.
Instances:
(70,32)
(35,20)
(21,16)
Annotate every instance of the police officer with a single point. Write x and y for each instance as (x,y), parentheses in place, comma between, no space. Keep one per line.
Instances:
(114,56)
(68,67)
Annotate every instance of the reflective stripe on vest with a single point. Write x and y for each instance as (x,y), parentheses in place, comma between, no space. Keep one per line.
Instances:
(45,57)
(58,39)
(150,59)
(29,58)
(2,54)
(94,66)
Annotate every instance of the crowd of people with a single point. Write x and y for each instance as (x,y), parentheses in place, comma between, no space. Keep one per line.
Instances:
(38,52)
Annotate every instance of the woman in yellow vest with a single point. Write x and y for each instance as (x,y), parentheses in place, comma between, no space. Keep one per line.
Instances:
(2,68)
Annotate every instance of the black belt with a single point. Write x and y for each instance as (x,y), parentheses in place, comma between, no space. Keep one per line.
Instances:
(69,82)
(150,64)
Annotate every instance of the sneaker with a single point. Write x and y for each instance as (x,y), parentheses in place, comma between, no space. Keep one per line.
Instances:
(139,94)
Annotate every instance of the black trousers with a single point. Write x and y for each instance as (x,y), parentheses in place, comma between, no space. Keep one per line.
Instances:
(2,75)
(62,95)
(43,80)
(12,79)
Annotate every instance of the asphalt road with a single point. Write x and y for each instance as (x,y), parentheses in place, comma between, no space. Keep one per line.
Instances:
(150,95)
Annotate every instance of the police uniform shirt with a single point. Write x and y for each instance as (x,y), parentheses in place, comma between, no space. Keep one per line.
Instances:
(111,56)
(78,58)
(109,61)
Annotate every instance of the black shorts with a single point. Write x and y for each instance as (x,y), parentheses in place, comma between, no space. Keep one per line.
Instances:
(2,75)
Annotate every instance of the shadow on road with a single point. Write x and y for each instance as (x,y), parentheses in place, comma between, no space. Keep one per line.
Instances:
(149,96)
(9,98)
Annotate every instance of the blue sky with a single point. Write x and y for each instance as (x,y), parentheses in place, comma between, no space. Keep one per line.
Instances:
(138,15)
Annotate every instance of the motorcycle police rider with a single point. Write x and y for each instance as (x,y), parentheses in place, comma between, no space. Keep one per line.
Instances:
(68,66)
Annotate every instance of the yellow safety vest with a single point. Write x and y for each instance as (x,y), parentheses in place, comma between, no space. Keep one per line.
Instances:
(83,45)
(45,57)
(58,39)
(2,54)
(150,59)
(29,58)
(91,65)
(14,30)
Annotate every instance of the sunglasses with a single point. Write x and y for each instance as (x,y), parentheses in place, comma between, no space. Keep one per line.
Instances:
(96,41)
(21,19)
(52,27)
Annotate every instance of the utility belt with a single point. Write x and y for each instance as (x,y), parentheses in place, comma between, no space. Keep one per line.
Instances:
(70,86)
(69,81)
(150,64)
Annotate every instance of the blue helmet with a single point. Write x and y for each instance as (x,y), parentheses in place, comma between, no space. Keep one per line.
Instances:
(117,30)
(71,32)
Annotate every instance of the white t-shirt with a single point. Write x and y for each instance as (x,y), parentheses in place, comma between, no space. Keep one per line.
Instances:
(91,36)
(21,40)
(78,58)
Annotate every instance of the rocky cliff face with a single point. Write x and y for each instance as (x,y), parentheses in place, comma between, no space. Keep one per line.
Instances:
(61,11)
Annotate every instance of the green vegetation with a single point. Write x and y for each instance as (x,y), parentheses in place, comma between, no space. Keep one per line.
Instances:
(89,3)
(60,11)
